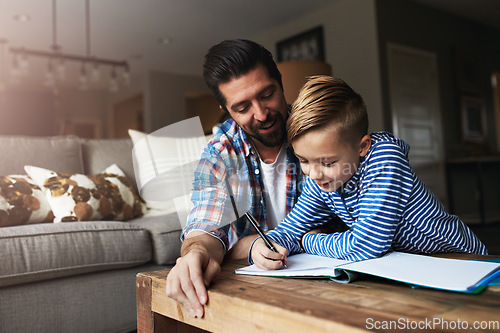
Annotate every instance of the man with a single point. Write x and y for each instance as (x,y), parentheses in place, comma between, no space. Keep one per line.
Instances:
(249,147)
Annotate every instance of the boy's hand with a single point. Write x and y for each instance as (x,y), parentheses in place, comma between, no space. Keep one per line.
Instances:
(267,259)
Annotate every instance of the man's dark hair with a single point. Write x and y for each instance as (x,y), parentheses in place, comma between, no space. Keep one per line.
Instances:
(232,58)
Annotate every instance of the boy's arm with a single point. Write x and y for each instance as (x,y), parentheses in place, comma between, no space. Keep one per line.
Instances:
(309,212)
(386,188)
(241,248)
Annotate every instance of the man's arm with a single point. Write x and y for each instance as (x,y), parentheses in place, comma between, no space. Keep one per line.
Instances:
(187,282)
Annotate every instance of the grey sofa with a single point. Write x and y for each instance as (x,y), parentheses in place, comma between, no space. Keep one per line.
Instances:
(77,276)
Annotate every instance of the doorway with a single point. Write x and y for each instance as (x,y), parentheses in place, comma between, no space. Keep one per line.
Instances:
(495,79)
(127,114)
(416,113)
(205,106)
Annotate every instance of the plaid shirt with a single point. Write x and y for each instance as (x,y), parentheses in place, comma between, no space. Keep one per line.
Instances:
(230,159)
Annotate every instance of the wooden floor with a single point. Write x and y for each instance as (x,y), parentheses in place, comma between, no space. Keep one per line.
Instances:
(489,234)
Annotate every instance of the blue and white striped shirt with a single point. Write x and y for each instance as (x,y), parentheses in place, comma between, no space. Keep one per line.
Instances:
(385,206)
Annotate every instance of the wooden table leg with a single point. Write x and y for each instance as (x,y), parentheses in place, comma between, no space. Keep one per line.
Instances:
(145,318)
(149,321)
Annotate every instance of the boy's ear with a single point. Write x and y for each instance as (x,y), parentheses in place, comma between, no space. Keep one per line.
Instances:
(364,146)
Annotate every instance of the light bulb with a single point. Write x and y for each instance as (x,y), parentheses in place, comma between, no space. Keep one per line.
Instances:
(95,72)
(60,69)
(50,79)
(84,81)
(113,82)
(24,63)
(126,76)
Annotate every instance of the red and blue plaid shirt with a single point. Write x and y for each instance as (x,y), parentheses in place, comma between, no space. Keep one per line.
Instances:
(230,162)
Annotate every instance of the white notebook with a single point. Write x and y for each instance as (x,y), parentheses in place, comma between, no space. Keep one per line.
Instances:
(468,276)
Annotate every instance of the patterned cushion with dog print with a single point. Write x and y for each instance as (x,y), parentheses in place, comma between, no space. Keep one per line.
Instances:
(76,197)
(22,202)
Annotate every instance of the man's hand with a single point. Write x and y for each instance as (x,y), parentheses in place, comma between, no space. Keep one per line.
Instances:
(188,280)
(263,257)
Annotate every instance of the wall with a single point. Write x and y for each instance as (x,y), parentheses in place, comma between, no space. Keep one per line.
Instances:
(420,27)
(356,33)
(206,107)
(165,99)
(73,105)
(351,48)
(126,114)
(26,113)
(134,90)
(417,26)
(42,113)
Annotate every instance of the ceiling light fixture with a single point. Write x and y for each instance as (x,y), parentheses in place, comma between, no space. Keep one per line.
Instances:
(164,40)
(90,65)
(22,17)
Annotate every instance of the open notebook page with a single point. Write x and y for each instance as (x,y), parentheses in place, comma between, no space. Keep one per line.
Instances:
(420,270)
(426,271)
(302,264)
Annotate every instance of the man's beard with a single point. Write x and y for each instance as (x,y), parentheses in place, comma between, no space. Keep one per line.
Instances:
(273,139)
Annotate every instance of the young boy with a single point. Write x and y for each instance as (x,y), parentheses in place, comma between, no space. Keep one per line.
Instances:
(366,180)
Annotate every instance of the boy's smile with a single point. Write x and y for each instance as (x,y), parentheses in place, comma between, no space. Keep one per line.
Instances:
(327,160)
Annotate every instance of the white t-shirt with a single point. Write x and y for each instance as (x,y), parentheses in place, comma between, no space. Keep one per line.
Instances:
(274,178)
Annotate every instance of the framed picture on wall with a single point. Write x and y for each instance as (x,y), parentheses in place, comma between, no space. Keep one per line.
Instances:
(307,45)
(473,119)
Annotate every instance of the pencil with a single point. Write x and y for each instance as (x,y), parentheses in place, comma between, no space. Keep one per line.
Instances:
(253,221)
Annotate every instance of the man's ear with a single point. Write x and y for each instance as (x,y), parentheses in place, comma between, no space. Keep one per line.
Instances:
(364,146)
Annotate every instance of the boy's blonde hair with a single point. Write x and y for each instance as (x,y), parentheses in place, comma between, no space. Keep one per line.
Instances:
(327,101)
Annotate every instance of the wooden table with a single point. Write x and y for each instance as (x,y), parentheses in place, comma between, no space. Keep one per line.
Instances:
(239,303)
